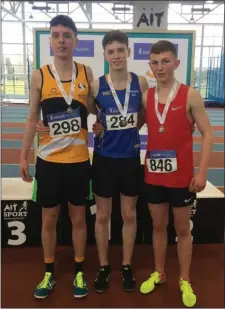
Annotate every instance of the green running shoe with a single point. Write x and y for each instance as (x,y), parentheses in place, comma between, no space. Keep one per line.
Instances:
(149,285)
(188,297)
(80,288)
(45,286)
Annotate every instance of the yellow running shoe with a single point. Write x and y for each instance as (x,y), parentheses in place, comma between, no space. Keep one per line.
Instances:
(149,285)
(188,296)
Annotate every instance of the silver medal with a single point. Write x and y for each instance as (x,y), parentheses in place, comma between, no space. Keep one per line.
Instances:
(69,110)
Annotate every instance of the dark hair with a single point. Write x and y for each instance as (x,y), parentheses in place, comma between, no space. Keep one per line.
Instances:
(65,21)
(114,35)
(163,46)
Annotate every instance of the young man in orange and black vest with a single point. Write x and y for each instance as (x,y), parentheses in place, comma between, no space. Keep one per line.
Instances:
(60,91)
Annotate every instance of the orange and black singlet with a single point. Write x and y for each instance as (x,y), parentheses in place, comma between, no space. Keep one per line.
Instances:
(68,138)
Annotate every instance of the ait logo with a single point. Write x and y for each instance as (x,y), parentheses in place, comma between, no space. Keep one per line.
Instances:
(81,86)
(14,211)
(150,19)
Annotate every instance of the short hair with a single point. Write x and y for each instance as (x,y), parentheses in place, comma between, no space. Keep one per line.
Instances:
(65,21)
(163,46)
(114,35)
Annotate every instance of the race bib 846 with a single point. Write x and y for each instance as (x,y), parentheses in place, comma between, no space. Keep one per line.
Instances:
(161,161)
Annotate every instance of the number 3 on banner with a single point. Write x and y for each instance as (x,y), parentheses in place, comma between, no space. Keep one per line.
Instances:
(21,237)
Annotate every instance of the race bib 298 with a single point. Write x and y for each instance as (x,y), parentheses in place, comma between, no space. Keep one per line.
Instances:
(62,124)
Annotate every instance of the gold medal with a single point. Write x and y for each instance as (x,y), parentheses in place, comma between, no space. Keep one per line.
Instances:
(161,129)
(123,123)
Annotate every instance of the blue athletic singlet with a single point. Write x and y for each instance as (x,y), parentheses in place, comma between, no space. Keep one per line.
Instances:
(118,141)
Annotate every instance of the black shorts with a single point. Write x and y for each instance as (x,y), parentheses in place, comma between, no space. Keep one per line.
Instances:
(175,197)
(62,182)
(110,175)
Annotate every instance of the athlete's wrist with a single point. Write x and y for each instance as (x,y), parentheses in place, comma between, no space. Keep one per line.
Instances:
(23,157)
(202,172)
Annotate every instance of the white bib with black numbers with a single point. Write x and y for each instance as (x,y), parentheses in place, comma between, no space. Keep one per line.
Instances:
(64,123)
(161,161)
(114,122)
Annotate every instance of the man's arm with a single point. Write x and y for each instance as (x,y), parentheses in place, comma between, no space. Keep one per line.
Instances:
(30,127)
(91,104)
(198,112)
(144,90)
(143,83)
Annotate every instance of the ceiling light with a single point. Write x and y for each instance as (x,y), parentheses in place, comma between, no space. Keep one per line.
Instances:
(209,1)
(46,8)
(200,11)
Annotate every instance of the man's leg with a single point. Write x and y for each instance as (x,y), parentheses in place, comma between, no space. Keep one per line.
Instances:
(77,179)
(129,180)
(103,175)
(181,200)
(159,209)
(48,235)
(79,234)
(184,242)
(128,211)
(79,237)
(159,214)
(103,215)
(48,195)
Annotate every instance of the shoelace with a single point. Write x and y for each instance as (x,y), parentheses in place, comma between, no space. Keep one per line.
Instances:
(155,275)
(45,283)
(78,281)
(186,285)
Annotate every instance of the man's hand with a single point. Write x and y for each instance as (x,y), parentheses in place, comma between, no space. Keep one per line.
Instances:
(24,171)
(97,128)
(198,182)
(41,128)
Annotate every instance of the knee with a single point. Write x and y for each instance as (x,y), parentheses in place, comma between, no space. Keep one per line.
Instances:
(49,222)
(160,226)
(102,218)
(78,221)
(182,231)
(129,217)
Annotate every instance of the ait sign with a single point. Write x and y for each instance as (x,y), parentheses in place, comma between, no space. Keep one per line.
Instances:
(150,15)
